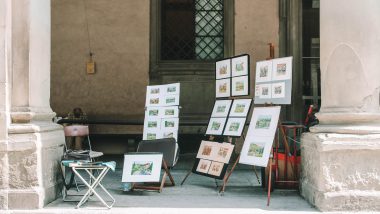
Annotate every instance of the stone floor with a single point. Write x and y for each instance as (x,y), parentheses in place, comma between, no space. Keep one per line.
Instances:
(198,195)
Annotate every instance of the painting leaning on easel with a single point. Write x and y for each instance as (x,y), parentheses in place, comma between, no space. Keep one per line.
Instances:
(262,129)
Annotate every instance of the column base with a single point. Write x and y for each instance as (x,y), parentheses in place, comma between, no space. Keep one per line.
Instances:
(31,165)
(340,172)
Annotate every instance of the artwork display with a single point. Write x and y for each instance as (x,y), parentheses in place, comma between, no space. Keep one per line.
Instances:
(274,81)
(142,167)
(240,107)
(223,88)
(216,126)
(223,152)
(221,108)
(216,168)
(240,86)
(234,127)
(162,112)
(282,68)
(203,166)
(240,65)
(264,71)
(260,136)
(223,69)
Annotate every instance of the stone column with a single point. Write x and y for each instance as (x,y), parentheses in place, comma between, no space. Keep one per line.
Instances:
(341,156)
(32,144)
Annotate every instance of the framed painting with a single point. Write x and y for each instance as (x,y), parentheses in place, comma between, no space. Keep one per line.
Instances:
(152,123)
(216,126)
(169,123)
(171,89)
(265,91)
(264,71)
(154,90)
(234,127)
(169,112)
(223,152)
(223,88)
(240,65)
(153,112)
(278,90)
(256,150)
(240,86)
(153,100)
(203,166)
(221,108)
(264,121)
(240,107)
(216,168)
(151,134)
(142,167)
(282,68)
(207,150)
(170,100)
(223,69)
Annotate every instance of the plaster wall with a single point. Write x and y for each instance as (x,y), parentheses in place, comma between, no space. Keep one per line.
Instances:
(256,25)
(119,38)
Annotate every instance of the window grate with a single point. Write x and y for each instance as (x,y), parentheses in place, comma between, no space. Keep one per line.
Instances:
(192,30)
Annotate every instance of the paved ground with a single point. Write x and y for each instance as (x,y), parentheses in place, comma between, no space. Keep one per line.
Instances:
(198,195)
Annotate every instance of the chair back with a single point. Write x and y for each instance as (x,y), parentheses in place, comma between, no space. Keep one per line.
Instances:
(166,146)
(76,131)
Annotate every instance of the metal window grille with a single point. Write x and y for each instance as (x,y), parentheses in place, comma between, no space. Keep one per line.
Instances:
(192,30)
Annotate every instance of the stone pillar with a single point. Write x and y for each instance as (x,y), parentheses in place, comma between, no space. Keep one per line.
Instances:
(31,144)
(341,156)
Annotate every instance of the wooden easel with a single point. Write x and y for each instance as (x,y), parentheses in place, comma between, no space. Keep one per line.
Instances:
(161,184)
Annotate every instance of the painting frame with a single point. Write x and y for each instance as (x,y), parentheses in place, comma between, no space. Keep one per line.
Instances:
(219,87)
(247,107)
(240,65)
(225,66)
(237,82)
(265,142)
(220,104)
(260,70)
(257,128)
(142,167)
(219,131)
(169,112)
(233,121)
(282,68)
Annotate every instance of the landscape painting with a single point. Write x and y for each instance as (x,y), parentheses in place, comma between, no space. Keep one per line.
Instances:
(223,69)
(140,167)
(240,65)
(221,108)
(240,107)
(282,68)
(234,126)
(216,126)
(240,86)
(223,88)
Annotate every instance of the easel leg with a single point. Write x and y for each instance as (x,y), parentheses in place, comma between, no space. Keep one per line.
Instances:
(187,175)
(225,180)
(162,182)
(257,176)
(269,180)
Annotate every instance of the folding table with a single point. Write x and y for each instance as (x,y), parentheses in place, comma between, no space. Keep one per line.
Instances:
(94,179)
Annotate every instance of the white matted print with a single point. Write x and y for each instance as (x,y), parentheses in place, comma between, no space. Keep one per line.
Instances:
(153,100)
(153,112)
(282,68)
(154,90)
(216,126)
(142,167)
(169,112)
(169,123)
(240,86)
(223,88)
(171,89)
(169,133)
(264,71)
(278,90)
(151,134)
(264,121)
(207,150)
(256,150)
(170,100)
(221,108)
(223,69)
(240,107)
(203,166)
(265,91)
(152,123)
(240,66)
(223,152)
(234,126)
(216,168)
